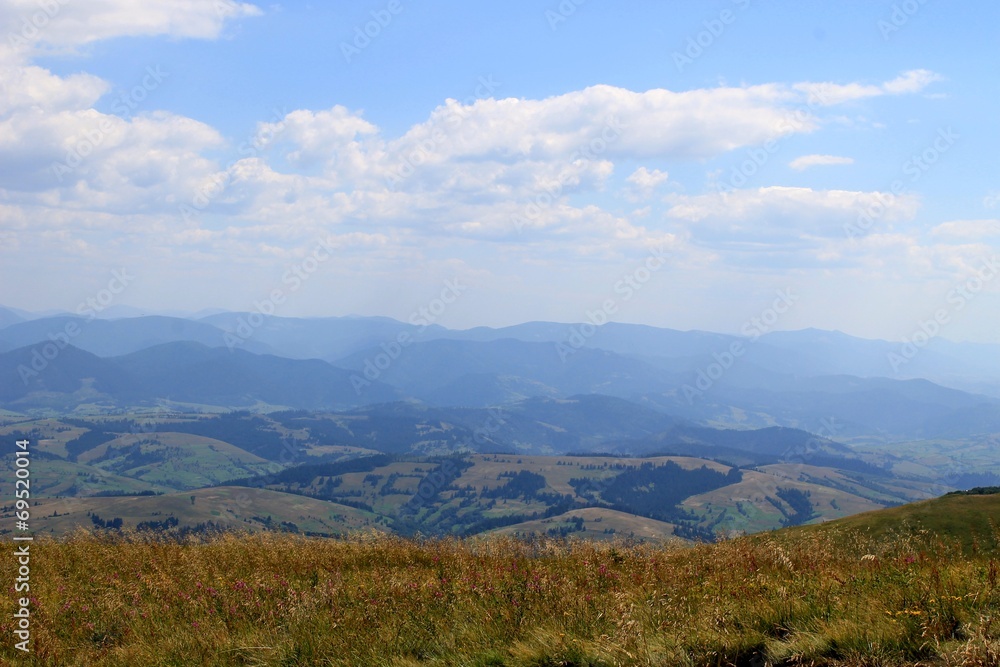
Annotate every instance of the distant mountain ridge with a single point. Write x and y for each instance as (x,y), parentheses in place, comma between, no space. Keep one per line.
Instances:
(181,372)
(797,379)
(804,352)
(112,338)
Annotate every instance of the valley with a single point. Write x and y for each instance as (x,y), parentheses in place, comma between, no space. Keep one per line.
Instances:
(468,433)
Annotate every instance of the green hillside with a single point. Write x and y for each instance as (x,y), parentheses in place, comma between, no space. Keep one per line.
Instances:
(176,460)
(226,507)
(377,461)
(970,518)
(594,523)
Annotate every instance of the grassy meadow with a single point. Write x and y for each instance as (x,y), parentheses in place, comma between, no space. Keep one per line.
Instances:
(795,597)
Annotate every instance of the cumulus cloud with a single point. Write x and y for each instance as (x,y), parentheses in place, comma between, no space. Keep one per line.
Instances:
(644,181)
(331,137)
(57,149)
(530,175)
(31,88)
(90,159)
(806,161)
(782,216)
(612,122)
(65,24)
(501,149)
(491,141)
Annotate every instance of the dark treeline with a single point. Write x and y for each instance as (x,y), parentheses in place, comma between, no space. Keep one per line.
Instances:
(655,491)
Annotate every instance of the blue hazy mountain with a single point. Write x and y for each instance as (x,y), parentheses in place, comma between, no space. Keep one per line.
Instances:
(183,372)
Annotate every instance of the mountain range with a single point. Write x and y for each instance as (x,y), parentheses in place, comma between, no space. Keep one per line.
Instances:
(825,382)
(424,429)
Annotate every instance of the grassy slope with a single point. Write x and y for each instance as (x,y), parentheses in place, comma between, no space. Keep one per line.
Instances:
(191,461)
(55,477)
(967,518)
(234,507)
(800,597)
(54,434)
(750,506)
(597,522)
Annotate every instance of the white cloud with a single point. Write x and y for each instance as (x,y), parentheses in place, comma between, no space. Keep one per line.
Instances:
(460,177)
(791,217)
(827,93)
(57,150)
(502,149)
(644,181)
(470,168)
(806,161)
(92,160)
(610,122)
(511,144)
(31,88)
(967,229)
(328,137)
(912,81)
(66,24)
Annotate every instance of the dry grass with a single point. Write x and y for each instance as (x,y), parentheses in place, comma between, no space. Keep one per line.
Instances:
(375,600)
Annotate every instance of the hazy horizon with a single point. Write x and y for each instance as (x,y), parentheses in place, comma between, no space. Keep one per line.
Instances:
(113,313)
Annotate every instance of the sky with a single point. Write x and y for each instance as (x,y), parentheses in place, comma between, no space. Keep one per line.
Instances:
(683,164)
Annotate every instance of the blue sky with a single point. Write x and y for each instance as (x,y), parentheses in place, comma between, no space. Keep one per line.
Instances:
(237,154)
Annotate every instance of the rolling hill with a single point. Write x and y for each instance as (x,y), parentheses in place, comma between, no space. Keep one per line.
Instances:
(970,518)
(225,507)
